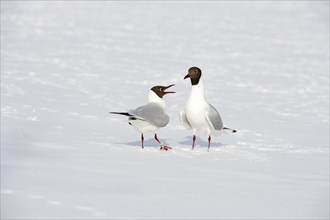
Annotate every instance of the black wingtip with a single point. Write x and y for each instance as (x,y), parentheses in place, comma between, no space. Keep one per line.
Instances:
(121,113)
(231,130)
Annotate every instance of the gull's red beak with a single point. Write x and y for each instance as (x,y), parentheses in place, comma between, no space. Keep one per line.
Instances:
(167,88)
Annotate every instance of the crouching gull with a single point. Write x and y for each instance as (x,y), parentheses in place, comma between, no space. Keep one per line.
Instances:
(152,116)
(198,114)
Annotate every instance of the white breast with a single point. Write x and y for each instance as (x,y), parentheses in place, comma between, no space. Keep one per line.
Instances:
(196,108)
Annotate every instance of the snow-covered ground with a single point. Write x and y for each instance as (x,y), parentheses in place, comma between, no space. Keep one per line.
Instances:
(65,65)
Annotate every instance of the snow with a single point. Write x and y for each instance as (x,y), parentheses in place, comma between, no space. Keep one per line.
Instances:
(65,65)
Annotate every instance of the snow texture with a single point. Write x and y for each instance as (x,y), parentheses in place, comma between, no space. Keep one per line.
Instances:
(66,64)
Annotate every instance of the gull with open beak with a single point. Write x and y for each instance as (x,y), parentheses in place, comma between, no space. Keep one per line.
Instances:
(198,114)
(152,116)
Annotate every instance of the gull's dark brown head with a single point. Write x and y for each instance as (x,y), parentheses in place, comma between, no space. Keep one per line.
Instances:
(161,90)
(194,73)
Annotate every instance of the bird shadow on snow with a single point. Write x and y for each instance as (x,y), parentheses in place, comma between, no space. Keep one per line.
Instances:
(199,142)
(151,142)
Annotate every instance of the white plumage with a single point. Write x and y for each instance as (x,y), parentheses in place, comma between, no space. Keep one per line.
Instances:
(198,114)
(152,116)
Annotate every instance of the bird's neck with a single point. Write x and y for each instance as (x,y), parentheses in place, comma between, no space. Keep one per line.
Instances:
(198,91)
(154,98)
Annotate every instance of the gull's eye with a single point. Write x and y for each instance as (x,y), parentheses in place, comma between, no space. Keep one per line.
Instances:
(161,89)
(196,71)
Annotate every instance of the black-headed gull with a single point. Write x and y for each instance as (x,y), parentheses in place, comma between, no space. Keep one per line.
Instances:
(152,116)
(198,114)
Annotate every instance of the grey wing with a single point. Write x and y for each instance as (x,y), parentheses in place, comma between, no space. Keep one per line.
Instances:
(214,119)
(184,120)
(152,113)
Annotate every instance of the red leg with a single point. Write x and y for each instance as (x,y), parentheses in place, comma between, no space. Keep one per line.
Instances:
(162,147)
(194,139)
(209,139)
(142,140)
(156,138)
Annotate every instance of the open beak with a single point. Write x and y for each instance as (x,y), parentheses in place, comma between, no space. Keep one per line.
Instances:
(167,88)
(187,76)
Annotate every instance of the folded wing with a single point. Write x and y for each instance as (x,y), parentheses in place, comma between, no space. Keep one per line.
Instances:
(152,113)
(214,120)
(184,120)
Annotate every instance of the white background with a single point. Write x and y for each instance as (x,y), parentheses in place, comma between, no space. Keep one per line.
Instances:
(65,65)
